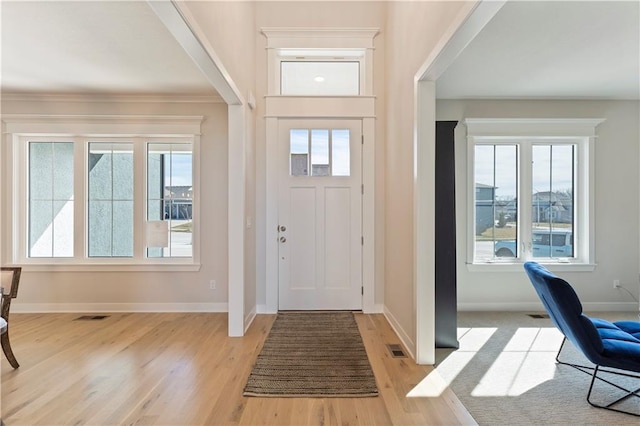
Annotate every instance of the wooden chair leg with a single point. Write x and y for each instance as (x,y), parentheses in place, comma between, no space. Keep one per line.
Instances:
(6,347)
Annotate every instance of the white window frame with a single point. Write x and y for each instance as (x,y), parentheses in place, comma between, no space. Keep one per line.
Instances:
(322,55)
(315,44)
(140,130)
(525,133)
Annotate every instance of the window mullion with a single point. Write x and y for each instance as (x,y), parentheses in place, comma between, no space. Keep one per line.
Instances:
(525,196)
(80,177)
(471,210)
(20,199)
(139,198)
(195,198)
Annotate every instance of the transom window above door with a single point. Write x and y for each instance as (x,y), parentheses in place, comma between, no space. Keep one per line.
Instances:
(322,62)
(320,76)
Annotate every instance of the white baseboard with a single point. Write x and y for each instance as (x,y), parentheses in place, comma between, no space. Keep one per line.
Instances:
(17,307)
(537,306)
(406,340)
(264,309)
(611,306)
(248,319)
(376,309)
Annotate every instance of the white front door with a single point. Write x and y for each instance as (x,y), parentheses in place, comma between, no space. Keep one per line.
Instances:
(320,215)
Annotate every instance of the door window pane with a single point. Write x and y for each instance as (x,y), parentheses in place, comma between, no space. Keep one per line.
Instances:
(51,204)
(170,199)
(328,78)
(496,183)
(110,183)
(320,153)
(329,151)
(340,153)
(299,152)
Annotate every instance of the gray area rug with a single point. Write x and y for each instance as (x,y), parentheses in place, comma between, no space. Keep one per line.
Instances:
(505,373)
(312,354)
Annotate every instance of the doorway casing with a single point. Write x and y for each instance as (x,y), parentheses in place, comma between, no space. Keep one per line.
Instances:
(360,107)
(357,107)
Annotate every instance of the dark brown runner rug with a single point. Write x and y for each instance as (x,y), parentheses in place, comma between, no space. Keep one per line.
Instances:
(312,354)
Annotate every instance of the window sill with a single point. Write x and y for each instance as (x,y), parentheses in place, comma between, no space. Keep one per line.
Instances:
(104,267)
(518,267)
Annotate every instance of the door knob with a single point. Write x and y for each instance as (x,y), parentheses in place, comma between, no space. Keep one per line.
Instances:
(283,228)
(283,239)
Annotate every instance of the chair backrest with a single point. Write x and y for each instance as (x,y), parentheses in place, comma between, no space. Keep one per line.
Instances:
(9,281)
(565,310)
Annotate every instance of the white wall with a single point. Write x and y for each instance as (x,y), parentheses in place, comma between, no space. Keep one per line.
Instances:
(616,206)
(78,291)
(412,31)
(229,28)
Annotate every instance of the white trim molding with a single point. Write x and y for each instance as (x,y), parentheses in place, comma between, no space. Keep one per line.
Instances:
(282,42)
(236,218)
(113,267)
(109,98)
(328,43)
(320,106)
(404,337)
(526,127)
(185,29)
(312,38)
(96,125)
(80,307)
(81,130)
(538,307)
(424,222)
(526,133)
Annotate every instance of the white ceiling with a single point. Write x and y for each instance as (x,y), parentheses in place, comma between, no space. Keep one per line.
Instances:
(551,50)
(530,49)
(109,47)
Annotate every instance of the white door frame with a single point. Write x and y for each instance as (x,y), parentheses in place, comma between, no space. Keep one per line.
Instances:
(464,28)
(183,26)
(283,107)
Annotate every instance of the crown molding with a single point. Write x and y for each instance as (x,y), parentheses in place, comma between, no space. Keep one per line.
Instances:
(529,127)
(108,98)
(291,37)
(102,124)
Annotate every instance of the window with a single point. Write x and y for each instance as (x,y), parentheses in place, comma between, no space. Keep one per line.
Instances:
(117,200)
(532,196)
(110,199)
(170,197)
(329,148)
(322,71)
(312,77)
(51,203)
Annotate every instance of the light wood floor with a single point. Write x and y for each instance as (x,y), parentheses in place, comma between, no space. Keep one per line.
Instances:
(182,369)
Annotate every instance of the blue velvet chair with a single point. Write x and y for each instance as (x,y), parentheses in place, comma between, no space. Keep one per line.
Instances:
(607,345)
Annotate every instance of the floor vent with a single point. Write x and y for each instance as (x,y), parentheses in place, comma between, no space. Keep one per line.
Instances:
(396,351)
(91,317)
(539,316)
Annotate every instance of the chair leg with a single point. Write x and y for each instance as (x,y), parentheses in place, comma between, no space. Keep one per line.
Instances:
(593,371)
(6,348)
(609,406)
(576,366)
(564,339)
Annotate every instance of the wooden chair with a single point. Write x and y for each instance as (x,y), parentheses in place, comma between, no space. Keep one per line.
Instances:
(9,280)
